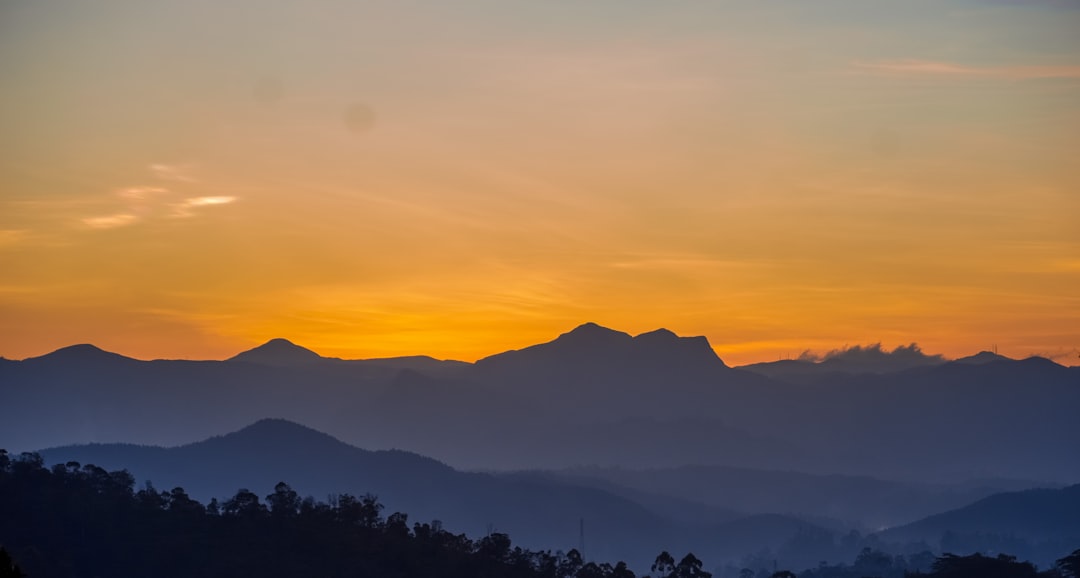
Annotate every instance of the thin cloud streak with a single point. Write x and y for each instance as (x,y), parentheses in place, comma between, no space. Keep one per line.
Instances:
(110,221)
(138,193)
(184,209)
(179,173)
(953,70)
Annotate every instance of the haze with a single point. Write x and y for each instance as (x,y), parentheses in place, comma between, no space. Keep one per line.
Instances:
(455,178)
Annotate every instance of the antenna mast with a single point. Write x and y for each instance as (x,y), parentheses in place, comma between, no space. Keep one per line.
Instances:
(581,538)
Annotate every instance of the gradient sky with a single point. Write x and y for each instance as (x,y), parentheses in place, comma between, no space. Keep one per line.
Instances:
(376,178)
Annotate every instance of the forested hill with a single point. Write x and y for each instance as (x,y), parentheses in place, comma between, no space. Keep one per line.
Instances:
(75,520)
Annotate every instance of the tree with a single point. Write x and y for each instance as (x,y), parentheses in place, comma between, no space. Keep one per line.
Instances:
(570,564)
(1069,566)
(1003,566)
(664,564)
(621,571)
(244,504)
(690,567)
(8,567)
(284,502)
(364,512)
(179,501)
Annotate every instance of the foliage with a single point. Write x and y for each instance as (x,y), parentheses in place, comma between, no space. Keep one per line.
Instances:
(82,520)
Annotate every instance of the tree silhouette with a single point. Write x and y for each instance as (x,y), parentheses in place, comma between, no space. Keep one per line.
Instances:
(8,568)
(1069,566)
(284,502)
(690,567)
(1003,566)
(664,565)
(245,504)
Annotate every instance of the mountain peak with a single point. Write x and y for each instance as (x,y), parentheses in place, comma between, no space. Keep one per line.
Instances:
(591,329)
(590,336)
(675,349)
(81,353)
(592,345)
(658,335)
(280,352)
(982,357)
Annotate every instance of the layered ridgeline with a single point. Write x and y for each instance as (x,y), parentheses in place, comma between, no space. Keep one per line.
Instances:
(625,514)
(81,519)
(591,396)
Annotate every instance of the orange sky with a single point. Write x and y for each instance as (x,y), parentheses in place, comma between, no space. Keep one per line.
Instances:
(455,179)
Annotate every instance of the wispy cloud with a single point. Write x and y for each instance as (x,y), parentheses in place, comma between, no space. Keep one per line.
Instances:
(954,70)
(138,193)
(179,173)
(144,203)
(184,209)
(111,221)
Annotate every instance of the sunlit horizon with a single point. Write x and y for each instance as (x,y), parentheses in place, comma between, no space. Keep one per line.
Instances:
(371,179)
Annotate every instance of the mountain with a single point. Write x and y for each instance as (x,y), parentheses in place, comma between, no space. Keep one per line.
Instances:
(844,362)
(853,501)
(1048,520)
(981,358)
(278,352)
(592,369)
(591,396)
(538,513)
(83,355)
(591,347)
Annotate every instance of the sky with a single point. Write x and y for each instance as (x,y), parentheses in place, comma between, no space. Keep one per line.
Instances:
(379,178)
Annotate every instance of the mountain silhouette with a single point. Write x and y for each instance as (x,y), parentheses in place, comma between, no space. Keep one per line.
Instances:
(82,355)
(855,360)
(591,396)
(1048,519)
(982,357)
(278,352)
(536,513)
(591,345)
(656,373)
(863,500)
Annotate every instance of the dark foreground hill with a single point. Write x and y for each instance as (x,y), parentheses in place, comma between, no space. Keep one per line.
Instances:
(315,464)
(78,520)
(539,513)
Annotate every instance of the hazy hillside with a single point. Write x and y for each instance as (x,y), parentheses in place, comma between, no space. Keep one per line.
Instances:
(856,501)
(1038,524)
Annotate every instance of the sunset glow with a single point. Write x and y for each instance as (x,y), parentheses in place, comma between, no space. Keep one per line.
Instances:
(371,179)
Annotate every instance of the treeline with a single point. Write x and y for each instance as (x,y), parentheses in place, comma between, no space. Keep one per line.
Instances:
(74,520)
(876,564)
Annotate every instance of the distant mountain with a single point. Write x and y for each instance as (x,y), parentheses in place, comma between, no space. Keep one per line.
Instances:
(278,352)
(591,396)
(591,346)
(594,369)
(850,500)
(981,358)
(1040,514)
(83,355)
(536,512)
(1039,524)
(849,361)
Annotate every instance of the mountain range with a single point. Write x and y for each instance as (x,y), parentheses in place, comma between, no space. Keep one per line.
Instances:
(625,514)
(592,396)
